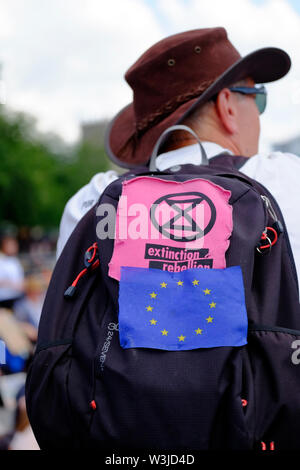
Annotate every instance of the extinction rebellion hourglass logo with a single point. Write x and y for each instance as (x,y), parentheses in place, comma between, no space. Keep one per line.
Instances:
(180,217)
(184,226)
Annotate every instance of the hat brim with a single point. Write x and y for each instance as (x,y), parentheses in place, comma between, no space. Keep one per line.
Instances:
(263,66)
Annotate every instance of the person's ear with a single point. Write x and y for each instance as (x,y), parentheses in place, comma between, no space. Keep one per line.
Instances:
(226,108)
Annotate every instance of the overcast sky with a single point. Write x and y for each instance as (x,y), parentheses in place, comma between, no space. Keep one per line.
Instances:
(64,60)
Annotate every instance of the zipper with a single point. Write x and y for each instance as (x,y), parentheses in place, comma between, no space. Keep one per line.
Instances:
(284,231)
(277,225)
(92,262)
(273,329)
(269,207)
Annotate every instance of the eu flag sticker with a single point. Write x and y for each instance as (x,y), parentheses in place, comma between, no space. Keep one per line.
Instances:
(196,308)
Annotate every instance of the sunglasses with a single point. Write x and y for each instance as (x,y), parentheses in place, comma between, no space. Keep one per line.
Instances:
(259,92)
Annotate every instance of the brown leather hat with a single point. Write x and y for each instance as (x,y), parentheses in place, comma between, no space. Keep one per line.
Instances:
(176,75)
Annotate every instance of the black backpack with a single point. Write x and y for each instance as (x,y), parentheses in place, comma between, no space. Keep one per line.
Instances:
(84,390)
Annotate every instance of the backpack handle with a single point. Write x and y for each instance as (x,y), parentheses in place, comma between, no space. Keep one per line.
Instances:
(152,164)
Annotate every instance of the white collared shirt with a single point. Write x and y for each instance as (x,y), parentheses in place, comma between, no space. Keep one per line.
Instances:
(80,203)
(189,154)
(278,172)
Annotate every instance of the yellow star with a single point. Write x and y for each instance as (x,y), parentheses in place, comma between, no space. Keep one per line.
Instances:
(163,284)
(181,338)
(209,319)
(164,332)
(180,283)
(207,291)
(153,295)
(153,322)
(196,282)
(149,309)
(213,305)
(198,331)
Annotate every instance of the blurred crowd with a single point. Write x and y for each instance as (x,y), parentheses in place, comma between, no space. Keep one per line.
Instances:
(26,262)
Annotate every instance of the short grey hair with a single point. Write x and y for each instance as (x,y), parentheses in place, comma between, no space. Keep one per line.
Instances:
(196,120)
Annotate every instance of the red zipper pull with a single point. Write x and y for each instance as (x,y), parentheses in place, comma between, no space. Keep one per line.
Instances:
(91,262)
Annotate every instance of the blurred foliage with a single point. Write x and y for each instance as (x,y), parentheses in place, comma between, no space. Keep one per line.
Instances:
(36,179)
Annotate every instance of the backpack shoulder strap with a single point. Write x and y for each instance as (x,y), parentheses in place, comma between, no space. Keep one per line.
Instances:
(58,309)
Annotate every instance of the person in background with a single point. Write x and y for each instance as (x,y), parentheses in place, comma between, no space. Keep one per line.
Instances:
(11,271)
(18,318)
(28,309)
(21,437)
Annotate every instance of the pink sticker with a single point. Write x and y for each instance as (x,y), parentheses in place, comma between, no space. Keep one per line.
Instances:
(171,225)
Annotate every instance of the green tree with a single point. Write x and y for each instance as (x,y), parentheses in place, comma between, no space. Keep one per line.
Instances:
(35,180)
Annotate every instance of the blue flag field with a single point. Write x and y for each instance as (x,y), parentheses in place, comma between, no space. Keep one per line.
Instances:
(196,308)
